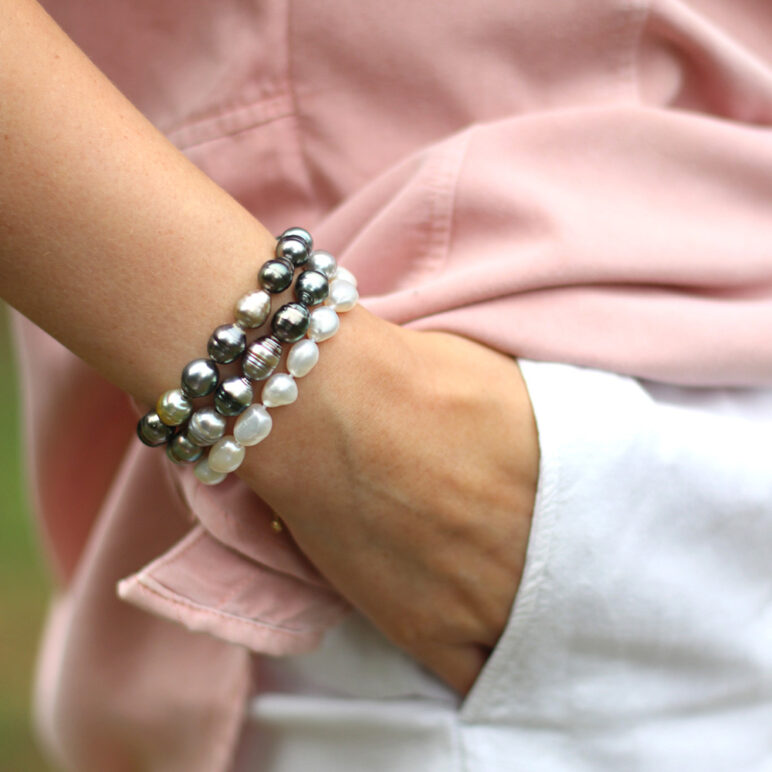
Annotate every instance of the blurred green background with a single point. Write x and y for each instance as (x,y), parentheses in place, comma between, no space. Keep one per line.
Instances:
(24,582)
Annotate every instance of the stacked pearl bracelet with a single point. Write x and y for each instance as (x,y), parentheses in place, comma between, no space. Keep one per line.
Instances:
(299,323)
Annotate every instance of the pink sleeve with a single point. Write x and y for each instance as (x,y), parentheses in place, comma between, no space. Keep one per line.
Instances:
(627,237)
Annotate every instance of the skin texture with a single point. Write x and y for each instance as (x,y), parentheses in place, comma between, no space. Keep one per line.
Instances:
(414,455)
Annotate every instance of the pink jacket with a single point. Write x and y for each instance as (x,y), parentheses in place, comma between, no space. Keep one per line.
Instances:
(592,187)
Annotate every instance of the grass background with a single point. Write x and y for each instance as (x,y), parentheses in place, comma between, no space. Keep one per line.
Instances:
(24,582)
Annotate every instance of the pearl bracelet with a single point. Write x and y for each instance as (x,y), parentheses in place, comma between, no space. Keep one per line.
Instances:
(320,281)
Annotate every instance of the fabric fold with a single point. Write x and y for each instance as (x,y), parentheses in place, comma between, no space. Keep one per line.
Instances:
(562,222)
(207,587)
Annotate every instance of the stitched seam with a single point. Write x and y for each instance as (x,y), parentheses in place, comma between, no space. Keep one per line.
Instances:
(294,111)
(241,119)
(232,730)
(226,134)
(444,219)
(154,587)
(263,102)
(640,10)
(456,743)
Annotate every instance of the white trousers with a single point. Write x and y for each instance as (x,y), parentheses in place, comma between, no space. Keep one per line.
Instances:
(641,635)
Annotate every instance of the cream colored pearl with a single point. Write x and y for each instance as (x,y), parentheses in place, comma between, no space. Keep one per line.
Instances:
(173,407)
(324,324)
(252,309)
(253,425)
(226,455)
(280,389)
(302,358)
(206,474)
(342,296)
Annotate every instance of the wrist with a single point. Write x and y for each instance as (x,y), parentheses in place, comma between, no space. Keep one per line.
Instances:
(354,379)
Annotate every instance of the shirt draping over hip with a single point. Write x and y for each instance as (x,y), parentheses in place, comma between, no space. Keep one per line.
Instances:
(590,186)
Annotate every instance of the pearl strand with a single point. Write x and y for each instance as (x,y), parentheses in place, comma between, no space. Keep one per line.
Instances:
(339,294)
(201,378)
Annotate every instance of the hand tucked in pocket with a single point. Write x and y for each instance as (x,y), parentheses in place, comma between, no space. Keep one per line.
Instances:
(406,472)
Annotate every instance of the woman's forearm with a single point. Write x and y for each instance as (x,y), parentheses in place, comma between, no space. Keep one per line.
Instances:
(110,239)
(407,471)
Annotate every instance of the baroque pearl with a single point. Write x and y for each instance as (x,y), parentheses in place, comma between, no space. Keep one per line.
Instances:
(152,430)
(276,275)
(205,427)
(181,450)
(302,358)
(280,389)
(261,358)
(343,295)
(252,309)
(311,288)
(323,262)
(228,341)
(206,474)
(324,324)
(226,455)
(346,275)
(299,233)
(233,396)
(199,378)
(253,425)
(292,249)
(290,322)
(173,407)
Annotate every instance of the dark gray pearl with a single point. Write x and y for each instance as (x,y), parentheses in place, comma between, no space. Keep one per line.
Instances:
(301,234)
(227,343)
(181,450)
(205,427)
(152,430)
(233,396)
(311,288)
(292,249)
(290,322)
(199,378)
(261,358)
(275,276)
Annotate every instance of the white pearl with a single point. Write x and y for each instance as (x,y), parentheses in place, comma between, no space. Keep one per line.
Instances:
(226,455)
(343,295)
(206,474)
(302,358)
(253,425)
(280,389)
(324,324)
(346,275)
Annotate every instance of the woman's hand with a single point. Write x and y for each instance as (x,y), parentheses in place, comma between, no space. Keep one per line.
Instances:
(406,471)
